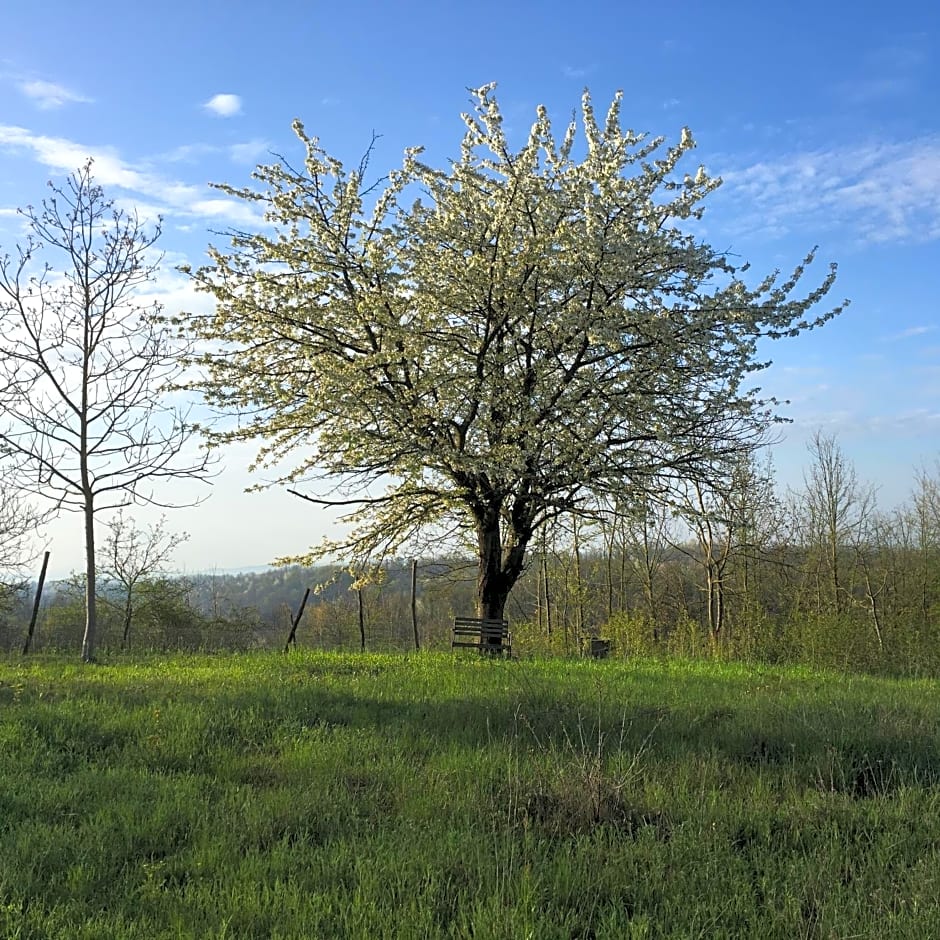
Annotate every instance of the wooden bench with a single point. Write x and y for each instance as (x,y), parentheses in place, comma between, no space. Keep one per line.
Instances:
(487,636)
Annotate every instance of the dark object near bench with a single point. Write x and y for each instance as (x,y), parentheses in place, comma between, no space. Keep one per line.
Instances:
(594,646)
(487,636)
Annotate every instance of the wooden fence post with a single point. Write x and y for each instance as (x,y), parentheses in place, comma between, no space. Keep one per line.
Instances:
(32,619)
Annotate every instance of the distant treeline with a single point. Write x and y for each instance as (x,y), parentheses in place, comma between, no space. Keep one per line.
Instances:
(821,576)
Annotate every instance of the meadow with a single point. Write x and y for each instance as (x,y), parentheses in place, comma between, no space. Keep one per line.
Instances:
(328,795)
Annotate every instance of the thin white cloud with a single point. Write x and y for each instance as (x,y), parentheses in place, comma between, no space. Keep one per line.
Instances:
(174,291)
(916,422)
(64,155)
(247,152)
(891,71)
(147,212)
(49,95)
(804,371)
(873,90)
(880,191)
(576,71)
(252,151)
(911,332)
(110,170)
(187,153)
(224,105)
(229,209)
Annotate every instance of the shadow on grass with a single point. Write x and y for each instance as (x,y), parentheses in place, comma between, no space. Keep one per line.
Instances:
(762,721)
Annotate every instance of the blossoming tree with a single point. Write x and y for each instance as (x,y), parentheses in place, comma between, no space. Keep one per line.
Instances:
(492,345)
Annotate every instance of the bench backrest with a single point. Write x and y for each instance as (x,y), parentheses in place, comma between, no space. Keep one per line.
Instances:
(482,633)
(481,625)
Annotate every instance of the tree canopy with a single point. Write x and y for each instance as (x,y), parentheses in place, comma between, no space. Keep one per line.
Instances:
(492,345)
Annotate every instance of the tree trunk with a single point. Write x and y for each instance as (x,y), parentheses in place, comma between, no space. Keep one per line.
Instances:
(91,613)
(873,610)
(414,602)
(649,570)
(548,595)
(128,616)
(362,621)
(539,605)
(710,601)
(578,581)
(833,551)
(609,539)
(491,593)
(497,574)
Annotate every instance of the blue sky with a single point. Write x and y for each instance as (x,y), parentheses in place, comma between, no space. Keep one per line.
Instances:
(823,118)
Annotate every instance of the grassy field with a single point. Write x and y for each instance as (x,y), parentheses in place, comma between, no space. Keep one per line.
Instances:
(355,796)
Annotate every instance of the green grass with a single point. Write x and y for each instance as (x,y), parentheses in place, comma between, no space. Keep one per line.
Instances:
(355,796)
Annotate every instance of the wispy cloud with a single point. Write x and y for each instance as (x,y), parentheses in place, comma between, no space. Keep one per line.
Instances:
(64,155)
(889,71)
(881,191)
(187,153)
(801,371)
(224,105)
(167,196)
(49,95)
(910,422)
(249,151)
(252,151)
(576,71)
(913,420)
(911,332)
(911,53)
(871,90)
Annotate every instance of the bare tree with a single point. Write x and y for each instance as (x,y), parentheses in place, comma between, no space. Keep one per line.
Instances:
(729,520)
(86,369)
(130,555)
(646,538)
(870,541)
(710,518)
(835,507)
(925,518)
